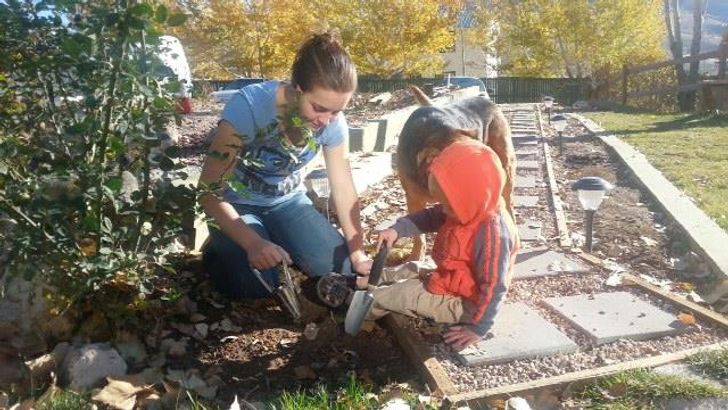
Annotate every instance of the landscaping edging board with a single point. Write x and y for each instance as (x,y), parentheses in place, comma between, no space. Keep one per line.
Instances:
(483,397)
(704,234)
(556,202)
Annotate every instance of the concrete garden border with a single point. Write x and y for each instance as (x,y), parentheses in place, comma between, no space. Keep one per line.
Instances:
(703,233)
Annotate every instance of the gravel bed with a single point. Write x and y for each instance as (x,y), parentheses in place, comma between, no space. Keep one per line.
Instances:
(619,236)
(519,371)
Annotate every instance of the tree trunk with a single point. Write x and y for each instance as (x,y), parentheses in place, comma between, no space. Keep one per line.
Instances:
(722,61)
(694,75)
(672,23)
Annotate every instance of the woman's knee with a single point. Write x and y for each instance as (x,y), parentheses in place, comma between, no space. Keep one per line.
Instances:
(229,269)
(325,261)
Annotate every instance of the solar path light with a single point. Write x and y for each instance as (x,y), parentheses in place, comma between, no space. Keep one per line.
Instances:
(591,192)
(559,123)
(548,103)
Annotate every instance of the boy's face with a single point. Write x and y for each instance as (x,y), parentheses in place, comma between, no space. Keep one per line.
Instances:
(439,196)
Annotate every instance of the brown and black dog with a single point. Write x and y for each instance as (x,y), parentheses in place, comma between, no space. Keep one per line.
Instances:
(430,129)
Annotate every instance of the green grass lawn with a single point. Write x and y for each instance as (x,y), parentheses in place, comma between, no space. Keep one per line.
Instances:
(691,150)
(643,389)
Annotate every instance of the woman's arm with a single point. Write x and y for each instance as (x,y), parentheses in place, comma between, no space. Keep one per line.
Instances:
(346,204)
(219,163)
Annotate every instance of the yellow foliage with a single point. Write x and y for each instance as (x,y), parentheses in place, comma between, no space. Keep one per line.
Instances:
(229,38)
(578,38)
(389,37)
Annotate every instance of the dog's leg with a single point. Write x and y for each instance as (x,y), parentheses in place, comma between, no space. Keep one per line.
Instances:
(498,137)
(416,201)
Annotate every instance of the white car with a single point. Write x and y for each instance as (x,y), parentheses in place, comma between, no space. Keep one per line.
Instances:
(465,82)
(231,88)
(172,56)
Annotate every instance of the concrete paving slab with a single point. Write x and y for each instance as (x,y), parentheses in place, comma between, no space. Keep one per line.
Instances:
(525,181)
(523,130)
(518,333)
(528,165)
(526,142)
(526,201)
(529,231)
(527,151)
(607,317)
(531,263)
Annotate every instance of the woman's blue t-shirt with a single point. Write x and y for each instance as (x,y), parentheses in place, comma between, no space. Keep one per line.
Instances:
(270,173)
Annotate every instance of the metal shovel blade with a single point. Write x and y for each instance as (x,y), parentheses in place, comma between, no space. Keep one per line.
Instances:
(289,300)
(361,305)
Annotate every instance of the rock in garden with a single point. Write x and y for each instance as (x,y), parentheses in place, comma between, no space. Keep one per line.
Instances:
(202,329)
(88,366)
(304,372)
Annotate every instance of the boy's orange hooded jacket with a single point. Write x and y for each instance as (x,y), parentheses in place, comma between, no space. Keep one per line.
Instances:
(474,250)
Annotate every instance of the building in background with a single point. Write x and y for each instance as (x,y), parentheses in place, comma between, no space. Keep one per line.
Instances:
(468,58)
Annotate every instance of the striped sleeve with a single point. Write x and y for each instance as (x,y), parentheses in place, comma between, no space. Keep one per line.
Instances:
(427,220)
(494,248)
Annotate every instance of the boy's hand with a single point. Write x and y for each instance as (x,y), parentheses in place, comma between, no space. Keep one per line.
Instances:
(460,337)
(388,236)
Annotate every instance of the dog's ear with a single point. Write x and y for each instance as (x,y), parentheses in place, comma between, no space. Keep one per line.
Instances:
(459,133)
(424,159)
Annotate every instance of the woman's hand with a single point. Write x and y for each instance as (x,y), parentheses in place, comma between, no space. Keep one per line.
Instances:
(360,262)
(388,236)
(460,337)
(264,254)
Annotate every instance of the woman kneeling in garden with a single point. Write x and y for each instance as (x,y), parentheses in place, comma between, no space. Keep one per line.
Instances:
(268,133)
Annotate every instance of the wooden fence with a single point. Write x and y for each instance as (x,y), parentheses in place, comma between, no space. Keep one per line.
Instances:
(701,84)
(501,89)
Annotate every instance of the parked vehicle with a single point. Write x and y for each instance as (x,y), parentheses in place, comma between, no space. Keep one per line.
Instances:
(230,89)
(465,82)
(175,66)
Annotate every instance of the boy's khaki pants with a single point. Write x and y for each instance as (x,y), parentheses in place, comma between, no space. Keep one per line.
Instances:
(402,290)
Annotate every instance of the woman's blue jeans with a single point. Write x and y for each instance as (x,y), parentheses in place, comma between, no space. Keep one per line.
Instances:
(315,246)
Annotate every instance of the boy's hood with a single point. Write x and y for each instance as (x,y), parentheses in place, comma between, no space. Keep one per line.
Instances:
(471,177)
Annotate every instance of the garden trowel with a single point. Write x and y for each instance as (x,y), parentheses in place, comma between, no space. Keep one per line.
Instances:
(286,292)
(362,301)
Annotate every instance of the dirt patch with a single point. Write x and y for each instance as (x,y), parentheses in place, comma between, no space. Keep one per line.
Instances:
(360,110)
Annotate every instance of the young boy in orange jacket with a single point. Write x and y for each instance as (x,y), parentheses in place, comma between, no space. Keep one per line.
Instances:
(474,249)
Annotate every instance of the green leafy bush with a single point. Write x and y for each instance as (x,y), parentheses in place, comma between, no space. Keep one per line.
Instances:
(85,204)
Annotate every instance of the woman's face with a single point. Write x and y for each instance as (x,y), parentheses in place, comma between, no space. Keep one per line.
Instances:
(320,106)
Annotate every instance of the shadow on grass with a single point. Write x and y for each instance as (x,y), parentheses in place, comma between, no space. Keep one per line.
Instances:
(670,123)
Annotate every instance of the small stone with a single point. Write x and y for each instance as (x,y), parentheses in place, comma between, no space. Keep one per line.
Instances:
(202,329)
(304,373)
(197,317)
(311,331)
(174,348)
(227,326)
(90,365)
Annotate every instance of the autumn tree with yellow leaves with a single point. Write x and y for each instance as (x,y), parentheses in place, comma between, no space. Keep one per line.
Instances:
(577,38)
(229,38)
